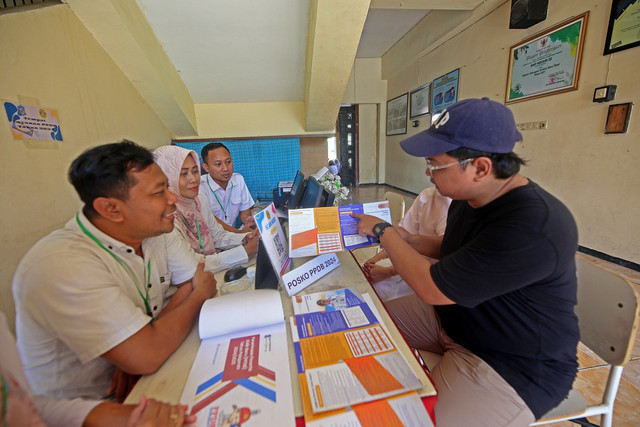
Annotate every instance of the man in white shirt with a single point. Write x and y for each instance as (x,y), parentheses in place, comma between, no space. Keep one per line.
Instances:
(222,190)
(20,407)
(93,300)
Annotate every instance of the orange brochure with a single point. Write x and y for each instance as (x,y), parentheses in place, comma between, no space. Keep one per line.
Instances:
(305,238)
(317,231)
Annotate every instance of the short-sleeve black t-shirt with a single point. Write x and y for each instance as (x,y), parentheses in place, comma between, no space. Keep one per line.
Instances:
(510,268)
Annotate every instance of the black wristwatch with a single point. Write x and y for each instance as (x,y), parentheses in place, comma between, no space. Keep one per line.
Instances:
(378,229)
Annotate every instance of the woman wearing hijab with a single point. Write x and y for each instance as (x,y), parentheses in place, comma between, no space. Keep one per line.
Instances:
(193,220)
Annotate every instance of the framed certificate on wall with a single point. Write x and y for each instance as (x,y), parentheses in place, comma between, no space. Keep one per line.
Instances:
(419,105)
(624,24)
(547,63)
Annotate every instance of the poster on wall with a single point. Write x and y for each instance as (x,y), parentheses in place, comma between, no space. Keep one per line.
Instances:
(547,63)
(30,122)
(397,115)
(420,101)
(624,26)
(444,93)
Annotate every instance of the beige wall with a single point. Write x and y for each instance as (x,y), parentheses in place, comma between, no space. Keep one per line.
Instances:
(596,175)
(314,153)
(367,143)
(50,59)
(250,119)
(367,87)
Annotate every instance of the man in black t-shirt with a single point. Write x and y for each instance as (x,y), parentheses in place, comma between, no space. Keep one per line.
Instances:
(499,304)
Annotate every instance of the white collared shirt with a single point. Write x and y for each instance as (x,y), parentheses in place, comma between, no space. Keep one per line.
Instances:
(74,302)
(226,204)
(54,412)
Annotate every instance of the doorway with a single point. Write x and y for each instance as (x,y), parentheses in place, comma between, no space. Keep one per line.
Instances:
(347,139)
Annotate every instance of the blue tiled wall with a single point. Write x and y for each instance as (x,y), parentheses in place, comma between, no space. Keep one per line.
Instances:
(262,162)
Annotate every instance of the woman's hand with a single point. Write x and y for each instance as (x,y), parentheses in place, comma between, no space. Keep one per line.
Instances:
(375,273)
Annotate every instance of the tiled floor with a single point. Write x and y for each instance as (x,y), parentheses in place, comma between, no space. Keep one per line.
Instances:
(592,374)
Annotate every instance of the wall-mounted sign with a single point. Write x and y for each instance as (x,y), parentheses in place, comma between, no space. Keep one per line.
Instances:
(624,23)
(29,122)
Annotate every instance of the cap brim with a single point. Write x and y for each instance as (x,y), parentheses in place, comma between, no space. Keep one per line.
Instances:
(425,144)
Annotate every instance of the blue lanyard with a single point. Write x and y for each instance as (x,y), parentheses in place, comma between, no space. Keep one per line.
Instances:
(123,265)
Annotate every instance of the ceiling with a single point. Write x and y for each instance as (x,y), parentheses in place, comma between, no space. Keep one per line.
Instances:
(203,65)
(254,50)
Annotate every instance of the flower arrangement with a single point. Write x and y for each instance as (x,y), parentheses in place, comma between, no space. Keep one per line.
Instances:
(332,183)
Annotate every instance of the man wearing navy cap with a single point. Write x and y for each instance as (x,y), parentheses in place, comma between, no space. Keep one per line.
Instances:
(499,304)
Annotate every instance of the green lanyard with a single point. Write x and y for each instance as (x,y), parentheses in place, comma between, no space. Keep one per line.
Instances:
(123,265)
(189,228)
(5,399)
(218,200)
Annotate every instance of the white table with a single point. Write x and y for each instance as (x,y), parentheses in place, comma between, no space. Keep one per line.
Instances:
(169,381)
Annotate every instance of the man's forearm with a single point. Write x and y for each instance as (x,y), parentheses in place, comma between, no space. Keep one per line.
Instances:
(178,297)
(145,351)
(412,267)
(108,414)
(227,227)
(425,245)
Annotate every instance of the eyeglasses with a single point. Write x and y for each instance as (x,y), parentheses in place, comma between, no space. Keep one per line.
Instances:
(431,168)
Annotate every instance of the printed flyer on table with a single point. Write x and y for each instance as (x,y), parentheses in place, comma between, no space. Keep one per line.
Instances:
(324,230)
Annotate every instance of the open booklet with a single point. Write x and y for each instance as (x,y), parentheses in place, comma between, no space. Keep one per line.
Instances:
(346,357)
(241,371)
(316,231)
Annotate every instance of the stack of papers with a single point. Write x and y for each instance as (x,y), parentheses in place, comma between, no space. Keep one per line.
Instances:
(350,370)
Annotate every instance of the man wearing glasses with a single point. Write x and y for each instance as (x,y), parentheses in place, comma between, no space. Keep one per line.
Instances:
(499,304)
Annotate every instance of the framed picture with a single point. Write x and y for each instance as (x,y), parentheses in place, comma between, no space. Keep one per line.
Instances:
(419,105)
(397,115)
(624,22)
(618,118)
(444,93)
(547,63)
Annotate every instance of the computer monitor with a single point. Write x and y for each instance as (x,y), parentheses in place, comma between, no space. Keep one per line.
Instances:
(296,191)
(327,198)
(312,194)
(266,277)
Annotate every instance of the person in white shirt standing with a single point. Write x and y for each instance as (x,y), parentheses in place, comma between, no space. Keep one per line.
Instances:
(224,191)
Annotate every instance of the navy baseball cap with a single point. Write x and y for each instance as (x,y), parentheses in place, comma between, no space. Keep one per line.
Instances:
(479,124)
